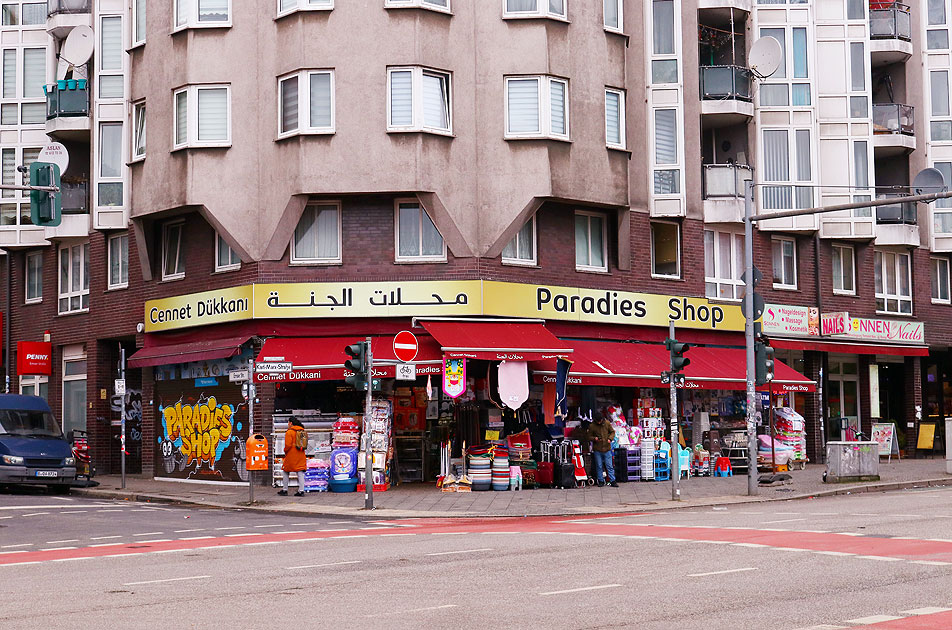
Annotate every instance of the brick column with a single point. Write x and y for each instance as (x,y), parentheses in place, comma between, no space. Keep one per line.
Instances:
(148,422)
(813,407)
(913,399)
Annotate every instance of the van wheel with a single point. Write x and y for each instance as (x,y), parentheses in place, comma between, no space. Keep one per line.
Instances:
(60,488)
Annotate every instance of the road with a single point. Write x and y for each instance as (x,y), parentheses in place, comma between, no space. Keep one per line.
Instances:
(879,561)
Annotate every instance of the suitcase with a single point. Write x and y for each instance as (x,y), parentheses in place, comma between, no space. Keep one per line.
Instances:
(545,475)
(621,464)
(565,475)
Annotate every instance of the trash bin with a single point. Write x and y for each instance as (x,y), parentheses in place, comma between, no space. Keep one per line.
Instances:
(256,452)
(852,461)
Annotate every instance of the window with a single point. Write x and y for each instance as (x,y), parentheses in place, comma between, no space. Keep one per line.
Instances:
(307,110)
(10,158)
(940,280)
(534,8)
(537,107)
(417,238)
(24,73)
(942,212)
(419,99)
(34,277)
(289,6)
(202,116)
(521,250)
(435,5)
(74,389)
(723,264)
(317,237)
(855,10)
(615,118)
(202,13)
(844,270)
(614,20)
(173,258)
(667,181)
(138,22)
(33,14)
(787,158)
(591,242)
(138,131)
(937,38)
(665,249)
(111,55)
(784,263)
(35,385)
(226,258)
(664,63)
(787,86)
(893,283)
(74,278)
(110,186)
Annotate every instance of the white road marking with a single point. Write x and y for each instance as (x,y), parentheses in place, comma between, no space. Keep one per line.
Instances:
(150,534)
(449,553)
(221,529)
(752,545)
(579,590)
(62,498)
(60,542)
(329,564)
(260,526)
(925,611)
(196,538)
(863,621)
(403,612)
(73,512)
(7,553)
(55,506)
(833,553)
(786,520)
(14,546)
(865,514)
(106,545)
(242,535)
(931,563)
(108,510)
(58,548)
(157,540)
(103,537)
(330,523)
(722,572)
(182,531)
(179,579)
(36,514)
(880,558)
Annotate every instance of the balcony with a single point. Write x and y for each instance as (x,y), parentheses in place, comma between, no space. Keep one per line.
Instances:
(897,224)
(894,126)
(75,223)
(724,192)
(65,15)
(890,29)
(725,95)
(67,109)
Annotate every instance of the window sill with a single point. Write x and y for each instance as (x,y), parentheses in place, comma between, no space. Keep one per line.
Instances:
(303,10)
(526,264)
(420,261)
(199,26)
(545,138)
(618,32)
(432,132)
(661,277)
(79,312)
(33,301)
(535,16)
(172,278)
(118,287)
(784,287)
(851,294)
(942,302)
(315,263)
(308,132)
(222,145)
(619,149)
(895,314)
(137,160)
(420,7)
(602,272)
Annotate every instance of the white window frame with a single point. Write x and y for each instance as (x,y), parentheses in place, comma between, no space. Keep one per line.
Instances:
(68,294)
(190,8)
(677,166)
(20,158)
(430,5)
(18,88)
(231,266)
(303,78)
(305,5)
(896,297)
(622,131)
(396,234)
(545,108)
(780,240)
(26,279)
(122,268)
(19,4)
(100,178)
(524,262)
(35,381)
(178,275)
(134,22)
(676,276)
(72,354)
(604,218)
(719,279)
(139,113)
(101,59)
(191,117)
(936,264)
(416,95)
(541,11)
(336,260)
(852,269)
(621,17)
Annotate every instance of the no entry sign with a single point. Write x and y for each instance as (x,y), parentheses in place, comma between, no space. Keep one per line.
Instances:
(405,346)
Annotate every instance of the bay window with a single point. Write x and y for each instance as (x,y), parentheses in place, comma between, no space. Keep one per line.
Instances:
(537,107)
(419,99)
(201,116)
(306,103)
(534,8)
(202,14)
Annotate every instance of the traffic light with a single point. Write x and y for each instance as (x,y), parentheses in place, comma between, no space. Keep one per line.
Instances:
(46,208)
(357,364)
(763,362)
(677,350)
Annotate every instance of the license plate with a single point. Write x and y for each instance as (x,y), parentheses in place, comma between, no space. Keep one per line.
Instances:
(47,473)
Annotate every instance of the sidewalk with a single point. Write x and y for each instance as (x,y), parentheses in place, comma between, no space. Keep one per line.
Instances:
(425,500)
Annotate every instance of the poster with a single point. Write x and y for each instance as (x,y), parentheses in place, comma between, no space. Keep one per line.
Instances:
(454,377)
(884,433)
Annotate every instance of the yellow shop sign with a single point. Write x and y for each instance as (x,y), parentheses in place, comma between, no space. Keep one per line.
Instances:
(434,299)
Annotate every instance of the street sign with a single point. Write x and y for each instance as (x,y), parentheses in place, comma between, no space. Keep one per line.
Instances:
(405,346)
(758,276)
(273,367)
(120,386)
(239,376)
(406,372)
(759,306)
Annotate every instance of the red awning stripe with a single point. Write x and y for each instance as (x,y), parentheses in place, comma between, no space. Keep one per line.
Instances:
(199,350)
(849,348)
(496,340)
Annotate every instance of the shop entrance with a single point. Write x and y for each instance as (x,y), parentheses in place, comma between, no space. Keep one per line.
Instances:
(843,398)
(892,397)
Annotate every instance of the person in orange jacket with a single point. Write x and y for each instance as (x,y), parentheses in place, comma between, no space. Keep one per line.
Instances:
(295,461)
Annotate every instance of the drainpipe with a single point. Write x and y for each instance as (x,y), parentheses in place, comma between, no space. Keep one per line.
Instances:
(819,306)
(7,323)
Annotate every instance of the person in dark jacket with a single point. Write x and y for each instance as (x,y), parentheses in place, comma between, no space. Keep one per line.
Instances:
(602,433)
(295,461)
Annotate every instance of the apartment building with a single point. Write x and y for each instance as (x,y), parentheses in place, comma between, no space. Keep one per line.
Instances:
(231,163)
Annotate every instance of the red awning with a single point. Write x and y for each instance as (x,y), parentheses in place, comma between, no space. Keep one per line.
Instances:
(322,358)
(850,348)
(198,350)
(497,340)
(640,365)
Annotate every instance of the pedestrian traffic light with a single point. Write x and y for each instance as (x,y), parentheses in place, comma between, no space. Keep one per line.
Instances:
(763,363)
(46,208)
(677,350)
(357,365)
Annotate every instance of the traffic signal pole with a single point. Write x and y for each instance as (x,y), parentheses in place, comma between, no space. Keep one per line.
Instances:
(369,447)
(749,337)
(675,446)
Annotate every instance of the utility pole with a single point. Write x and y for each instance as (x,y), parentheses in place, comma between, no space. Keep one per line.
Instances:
(368,448)
(749,336)
(122,420)
(675,446)
(251,425)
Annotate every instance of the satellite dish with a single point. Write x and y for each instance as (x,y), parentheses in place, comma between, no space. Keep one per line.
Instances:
(55,153)
(764,57)
(929,180)
(77,49)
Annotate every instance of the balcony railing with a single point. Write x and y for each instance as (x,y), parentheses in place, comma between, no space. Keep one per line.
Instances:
(897,213)
(889,20)
(75,197)
(720,83)
(69,6)
(725,180)
(67,98)
(894,118)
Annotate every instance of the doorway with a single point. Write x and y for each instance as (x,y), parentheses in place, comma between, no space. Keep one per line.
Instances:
(842,398)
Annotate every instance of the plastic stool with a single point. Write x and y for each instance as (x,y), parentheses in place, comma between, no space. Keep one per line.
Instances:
(722,467)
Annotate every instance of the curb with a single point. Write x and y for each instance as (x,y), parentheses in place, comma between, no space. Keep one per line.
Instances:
(145,497)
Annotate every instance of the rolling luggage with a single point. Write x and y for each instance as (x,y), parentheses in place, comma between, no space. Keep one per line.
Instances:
(565,475)
(545,475)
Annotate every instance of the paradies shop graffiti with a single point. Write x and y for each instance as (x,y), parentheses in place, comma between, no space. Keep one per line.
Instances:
(200,432)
